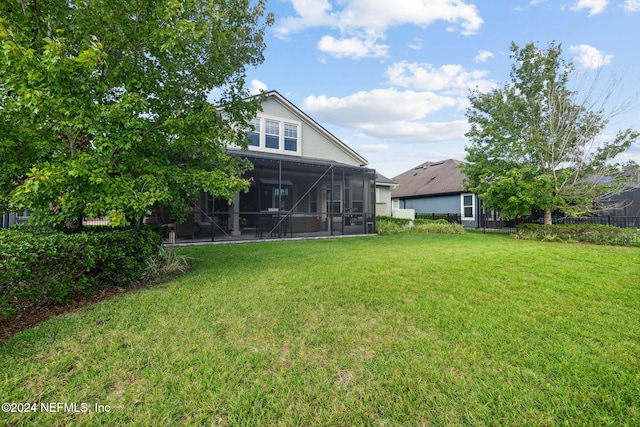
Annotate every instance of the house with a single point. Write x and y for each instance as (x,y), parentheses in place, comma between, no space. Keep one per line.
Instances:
(384,186)
(305,182)
(436,188)
(623,209)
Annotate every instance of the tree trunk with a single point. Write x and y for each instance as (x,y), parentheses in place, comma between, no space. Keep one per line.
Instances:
(547,216)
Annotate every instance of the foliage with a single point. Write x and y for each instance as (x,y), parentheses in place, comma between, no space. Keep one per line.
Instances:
(39,267)
(106,104)
(533,141)
(386,225)
(591,233)
(165,263)
(435,216)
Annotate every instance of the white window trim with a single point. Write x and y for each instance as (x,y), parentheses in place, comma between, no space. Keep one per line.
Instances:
(280,150)
(473,207)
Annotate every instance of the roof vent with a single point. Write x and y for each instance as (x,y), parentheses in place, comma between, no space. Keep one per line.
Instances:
(436,164)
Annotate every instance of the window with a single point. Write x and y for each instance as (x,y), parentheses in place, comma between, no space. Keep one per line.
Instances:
(272,134)
(290,137)
(468,206)
(254,136)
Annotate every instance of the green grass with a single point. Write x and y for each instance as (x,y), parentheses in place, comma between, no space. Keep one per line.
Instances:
(398,330)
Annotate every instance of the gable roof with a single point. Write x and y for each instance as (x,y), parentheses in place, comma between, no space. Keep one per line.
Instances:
(430,179)
(306,118)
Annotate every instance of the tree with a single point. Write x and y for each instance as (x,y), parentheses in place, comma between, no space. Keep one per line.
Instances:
(535,145)
(105,107)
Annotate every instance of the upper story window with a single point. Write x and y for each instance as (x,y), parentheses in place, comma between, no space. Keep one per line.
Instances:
(290,137)
(270,134)
(254,136)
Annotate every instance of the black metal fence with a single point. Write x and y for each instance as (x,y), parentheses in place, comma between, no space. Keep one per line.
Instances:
(450,217)
(490,222)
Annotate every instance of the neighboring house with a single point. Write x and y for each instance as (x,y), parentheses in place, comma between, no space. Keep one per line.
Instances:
(436,188)
(623,209)
(305,182)
(384,186)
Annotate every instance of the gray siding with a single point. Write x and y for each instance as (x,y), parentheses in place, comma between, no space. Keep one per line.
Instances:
(443,204)
(450,204)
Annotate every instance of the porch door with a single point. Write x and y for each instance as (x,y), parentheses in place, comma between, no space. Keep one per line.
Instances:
(333,205)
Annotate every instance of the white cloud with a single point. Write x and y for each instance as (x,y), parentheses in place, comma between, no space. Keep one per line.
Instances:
(389,114)
(256,87)
(595,6)
(427,132)
(352,48)
(311,13)
(368,20)
(483,56)
(376,106)
(378,15)
(632,5)
(588,57)
(416,43)
(450,78)
(371,148)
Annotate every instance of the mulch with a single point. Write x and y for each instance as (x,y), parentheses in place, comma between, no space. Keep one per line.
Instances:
(31,315)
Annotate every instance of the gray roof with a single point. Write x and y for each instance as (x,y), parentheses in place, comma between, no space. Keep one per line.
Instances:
(430,179)
(383,180)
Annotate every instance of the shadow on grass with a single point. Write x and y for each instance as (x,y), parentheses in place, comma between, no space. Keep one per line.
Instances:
(31,315)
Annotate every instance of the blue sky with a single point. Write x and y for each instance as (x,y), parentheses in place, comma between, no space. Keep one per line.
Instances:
(391,78)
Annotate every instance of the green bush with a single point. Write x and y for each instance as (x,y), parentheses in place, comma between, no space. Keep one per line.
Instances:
(448,218)
(590,233)
(438,227)
(43,267)
(386,225)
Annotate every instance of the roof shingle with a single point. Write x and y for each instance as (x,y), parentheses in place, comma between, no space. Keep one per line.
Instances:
(429,179)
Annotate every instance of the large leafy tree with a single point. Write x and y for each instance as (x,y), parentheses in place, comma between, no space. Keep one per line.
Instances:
(536,145)
(106,106)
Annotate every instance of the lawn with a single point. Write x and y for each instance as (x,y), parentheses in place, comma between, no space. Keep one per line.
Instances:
(408,330)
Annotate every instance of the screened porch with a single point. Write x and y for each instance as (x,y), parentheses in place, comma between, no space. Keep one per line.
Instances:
(288,197)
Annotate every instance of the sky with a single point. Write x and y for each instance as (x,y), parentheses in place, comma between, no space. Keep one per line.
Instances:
(391,78)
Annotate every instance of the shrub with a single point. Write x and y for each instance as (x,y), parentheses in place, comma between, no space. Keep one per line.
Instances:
(43,267)
(449,218)
(438,227)
(386,225)
(591,233)
(164,263)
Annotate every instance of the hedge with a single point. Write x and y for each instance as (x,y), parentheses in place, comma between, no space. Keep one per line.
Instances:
(392,225)
(590,233)
(41,267)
